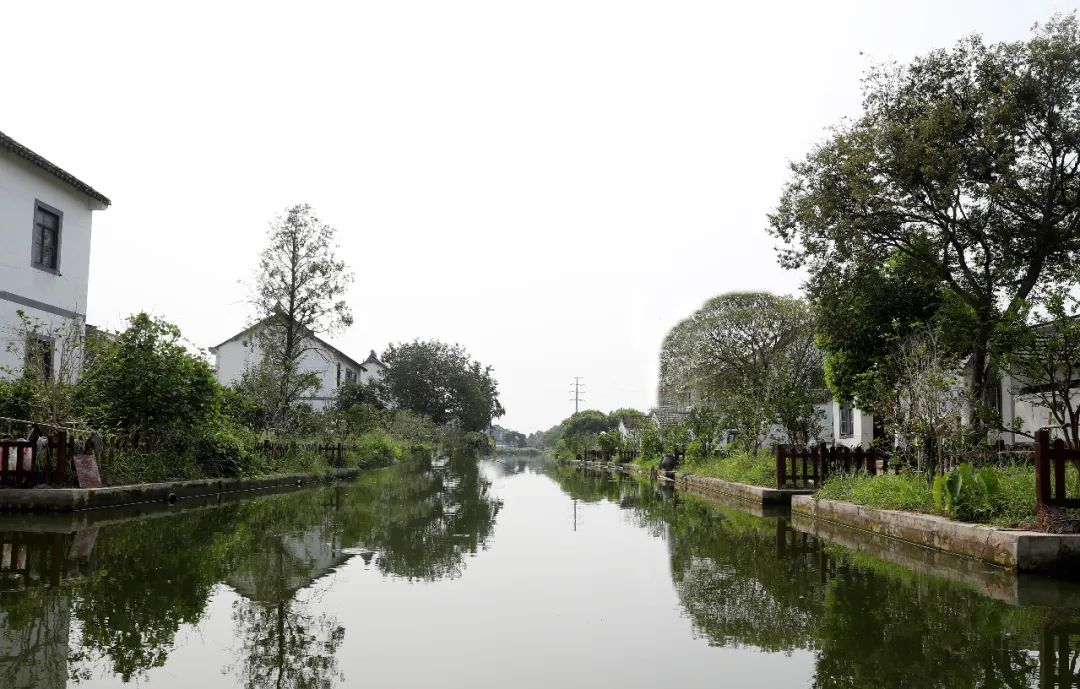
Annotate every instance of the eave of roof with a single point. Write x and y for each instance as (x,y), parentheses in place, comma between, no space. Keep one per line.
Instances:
(13,146)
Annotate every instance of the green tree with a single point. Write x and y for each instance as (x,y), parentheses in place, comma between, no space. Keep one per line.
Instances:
(441,382)
(144,380)
(751,357)
(299,293)
(966,162)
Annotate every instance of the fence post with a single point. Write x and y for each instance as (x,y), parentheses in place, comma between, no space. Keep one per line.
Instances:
(781,467)
(60,457)
(1042,469)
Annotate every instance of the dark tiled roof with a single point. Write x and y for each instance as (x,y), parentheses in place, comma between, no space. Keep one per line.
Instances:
(9,144)
(372,359)
(667,414)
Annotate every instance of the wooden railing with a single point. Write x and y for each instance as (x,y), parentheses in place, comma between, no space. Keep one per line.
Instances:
(23,464)
(809,467)
(1051,457)
(333,452)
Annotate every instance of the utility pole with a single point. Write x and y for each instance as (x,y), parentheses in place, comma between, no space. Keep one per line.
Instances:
(577,391)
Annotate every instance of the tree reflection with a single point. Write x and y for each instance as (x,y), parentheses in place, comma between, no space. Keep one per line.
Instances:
(423,518)
(744,580)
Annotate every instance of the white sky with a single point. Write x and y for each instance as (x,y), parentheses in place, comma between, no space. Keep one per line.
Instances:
(552,184)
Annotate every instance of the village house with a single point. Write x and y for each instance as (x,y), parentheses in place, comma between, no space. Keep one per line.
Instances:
(45,219)
(332,366)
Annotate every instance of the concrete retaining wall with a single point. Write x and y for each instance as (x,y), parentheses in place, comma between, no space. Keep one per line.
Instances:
(1025,551)
(76,499)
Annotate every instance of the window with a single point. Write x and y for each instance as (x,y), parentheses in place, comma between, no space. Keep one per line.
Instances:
(45,252)
(350,375)
(339,374)
(847,421)
(992,396)
(39,356)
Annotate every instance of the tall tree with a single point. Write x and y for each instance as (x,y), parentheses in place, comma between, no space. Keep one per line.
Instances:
(967,162)
(299,293)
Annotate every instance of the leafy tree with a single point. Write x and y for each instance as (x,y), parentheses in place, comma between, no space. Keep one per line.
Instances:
(144,380)
(751,357)
(859,311)
(967,162)
(353,392)
(441,382)
(299,293)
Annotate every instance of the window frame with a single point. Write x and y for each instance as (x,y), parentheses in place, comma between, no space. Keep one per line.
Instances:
(849,409)
(41,205)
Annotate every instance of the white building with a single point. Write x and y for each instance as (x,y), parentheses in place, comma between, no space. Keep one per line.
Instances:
(45,218)
(332,366)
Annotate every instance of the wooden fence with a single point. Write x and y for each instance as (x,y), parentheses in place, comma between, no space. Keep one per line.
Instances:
(1051,458)
(601,456)
(809,467)
(24,462)
(333,452)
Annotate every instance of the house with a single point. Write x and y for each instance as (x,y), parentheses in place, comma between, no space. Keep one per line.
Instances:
(45,219)
(851,427)
(332,366)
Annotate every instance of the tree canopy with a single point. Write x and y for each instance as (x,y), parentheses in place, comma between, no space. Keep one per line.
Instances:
(442,382)
(966,162)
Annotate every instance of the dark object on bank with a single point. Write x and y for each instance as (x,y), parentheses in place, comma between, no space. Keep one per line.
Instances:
(668,464)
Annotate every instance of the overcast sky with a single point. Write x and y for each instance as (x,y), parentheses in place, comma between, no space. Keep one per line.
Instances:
(551,184)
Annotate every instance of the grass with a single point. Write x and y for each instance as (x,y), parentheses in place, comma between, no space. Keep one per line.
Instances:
(1012,504)
(155,465)
(738,467)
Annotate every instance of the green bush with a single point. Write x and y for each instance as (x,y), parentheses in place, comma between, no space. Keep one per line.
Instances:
(377,449)
(223,449)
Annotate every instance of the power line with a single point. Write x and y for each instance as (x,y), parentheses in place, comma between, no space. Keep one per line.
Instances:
(577,391)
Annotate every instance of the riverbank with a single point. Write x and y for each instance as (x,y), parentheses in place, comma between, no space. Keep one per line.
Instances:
(1012,549)
(82,499)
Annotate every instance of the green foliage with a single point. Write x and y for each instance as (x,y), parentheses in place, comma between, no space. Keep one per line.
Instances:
(904,491)
(443,383)
(299,293)
(755,351)
(377,449)
(1002,496)
(144,381)
(947,166)
(754,468)
(223,449)
(966,494)
(609,442)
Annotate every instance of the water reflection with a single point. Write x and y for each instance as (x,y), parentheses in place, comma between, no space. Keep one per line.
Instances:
(747,581)
(111,600)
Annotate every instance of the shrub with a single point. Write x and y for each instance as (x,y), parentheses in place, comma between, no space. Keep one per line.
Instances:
(377,448)
(223,449)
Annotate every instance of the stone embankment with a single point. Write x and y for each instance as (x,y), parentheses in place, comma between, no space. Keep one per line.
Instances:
(1012,549)
(77,499)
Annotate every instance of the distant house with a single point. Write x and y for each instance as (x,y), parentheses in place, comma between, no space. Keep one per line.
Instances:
(45,219)
(332,366)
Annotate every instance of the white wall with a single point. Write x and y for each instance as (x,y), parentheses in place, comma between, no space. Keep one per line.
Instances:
(235,356)
(862,427)
(20,185)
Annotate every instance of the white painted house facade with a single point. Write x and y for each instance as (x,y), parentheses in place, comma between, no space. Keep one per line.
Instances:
(45,228)
(332,367)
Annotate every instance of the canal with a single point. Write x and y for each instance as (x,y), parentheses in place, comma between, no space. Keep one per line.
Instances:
(505,573)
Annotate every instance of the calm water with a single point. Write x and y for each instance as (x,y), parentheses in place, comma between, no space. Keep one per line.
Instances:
(509,573)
